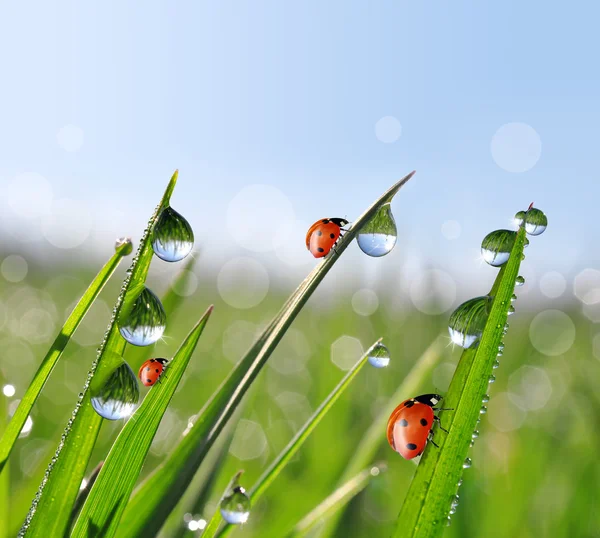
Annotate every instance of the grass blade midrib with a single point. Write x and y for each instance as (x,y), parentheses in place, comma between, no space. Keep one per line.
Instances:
(28,400)
(145,515)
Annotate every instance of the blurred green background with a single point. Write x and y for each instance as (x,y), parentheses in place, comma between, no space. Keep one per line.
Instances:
(535,465)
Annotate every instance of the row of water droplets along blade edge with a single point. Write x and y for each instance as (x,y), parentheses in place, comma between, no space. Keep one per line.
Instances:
(467,322)
(122,371)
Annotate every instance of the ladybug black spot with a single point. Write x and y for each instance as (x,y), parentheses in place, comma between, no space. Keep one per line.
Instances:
(332,236)
(409,404)
(403,422)
(411,446)
(157,371)
(321,249)
(423,422)
(149,381)
(319,233)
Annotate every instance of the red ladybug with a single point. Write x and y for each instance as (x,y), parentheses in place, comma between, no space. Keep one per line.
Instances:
(409,425)
(151,371)
(323,235)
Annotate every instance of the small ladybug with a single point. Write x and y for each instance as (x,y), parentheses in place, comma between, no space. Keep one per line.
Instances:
(151,371)
(322,236)
(409,425)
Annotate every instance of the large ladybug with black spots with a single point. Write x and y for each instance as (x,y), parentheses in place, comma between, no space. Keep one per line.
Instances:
(323,235)
(151,371)
(409,425)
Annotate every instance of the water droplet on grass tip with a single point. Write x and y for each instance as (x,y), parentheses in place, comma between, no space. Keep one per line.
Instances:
(379,357)
(467,463)
(535,221)
(142,320)
(172,237)
(114,389)
(235,507)
(378,237)
(496,246)
(467,322)
(126,243)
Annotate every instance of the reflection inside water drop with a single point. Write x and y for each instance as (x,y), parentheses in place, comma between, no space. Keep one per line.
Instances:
(114,389)
(496,246)
(467,322)
(378,237)
(142,321)
(519,281)
(235,507)
(172,237)
(379,357)
(126,243)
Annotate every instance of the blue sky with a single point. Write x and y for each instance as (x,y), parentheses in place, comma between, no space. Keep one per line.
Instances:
(288,94)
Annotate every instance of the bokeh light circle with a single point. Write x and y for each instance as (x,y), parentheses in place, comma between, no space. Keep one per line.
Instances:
(388,129)
(29,195)
(504,414)
(185,283)
(68,224)
(365,302)
(243,282)
(249,441)
(516,147)
(530,388)
(346,351)
(552,332)
(553,284)
(14,268)
(433,292)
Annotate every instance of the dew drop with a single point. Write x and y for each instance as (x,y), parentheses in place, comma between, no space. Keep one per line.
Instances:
(378,237)
(511,310)
(114,389)
(501,347)
(172,237)
(483,410)
(485,399)
(449,521)
(519,281)
(379,357)
(452,510)
(492,379)
(142,321)
(126,243)
(235,507)
(460,482)
(496,364)
(519,218)
(475,434)
(467,463)
(467,322)
(535,221)
(513,298)
(496,246)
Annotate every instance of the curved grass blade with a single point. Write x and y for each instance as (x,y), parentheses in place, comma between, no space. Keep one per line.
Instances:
(298,440)
(4,474)
(51,508)
(124,462)
(83,493)
(11,434)
(425,510)
(370,443)
(213,525)
(150,505)
(337,500)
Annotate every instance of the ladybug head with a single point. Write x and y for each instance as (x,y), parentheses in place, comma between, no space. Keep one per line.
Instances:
(340,222)
(429,399)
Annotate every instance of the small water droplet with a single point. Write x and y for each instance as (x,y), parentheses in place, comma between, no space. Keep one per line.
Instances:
(142,321)
(519,218)
(501,347)
(172,237)
(519,281)
(511,310)
(455,500)
(128,248)
(496,364)
(496,246)
(379,356)
(483,410)
(467,463)
(114,389)
(235,507)
(452,510)
(378,237)
(535,221)
(475,434)
(513,298)
(449,521)
(460,482)
(492,379)
(485,399)
(467,322)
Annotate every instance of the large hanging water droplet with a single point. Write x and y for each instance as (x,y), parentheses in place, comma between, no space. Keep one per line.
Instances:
(467,463)
(378,237)
(114,389)
(496,246)
(172,237)
(467,322)
(126,243)
(379,356)
(519,281)
(142,321)
(535,222)
(235,507)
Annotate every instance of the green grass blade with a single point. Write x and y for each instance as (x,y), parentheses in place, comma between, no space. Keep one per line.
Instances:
(52,506)
(83,493)
(149,508)
(108,497)
(425,510)
(11,434)
(301,436)
(337,500)
(4,473)
(366,450)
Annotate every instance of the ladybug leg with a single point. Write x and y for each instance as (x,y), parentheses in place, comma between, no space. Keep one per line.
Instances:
(439,423)
(432,441)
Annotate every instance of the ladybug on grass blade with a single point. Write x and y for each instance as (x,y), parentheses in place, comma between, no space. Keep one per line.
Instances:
(323,235)
(151,371)
(409,425)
